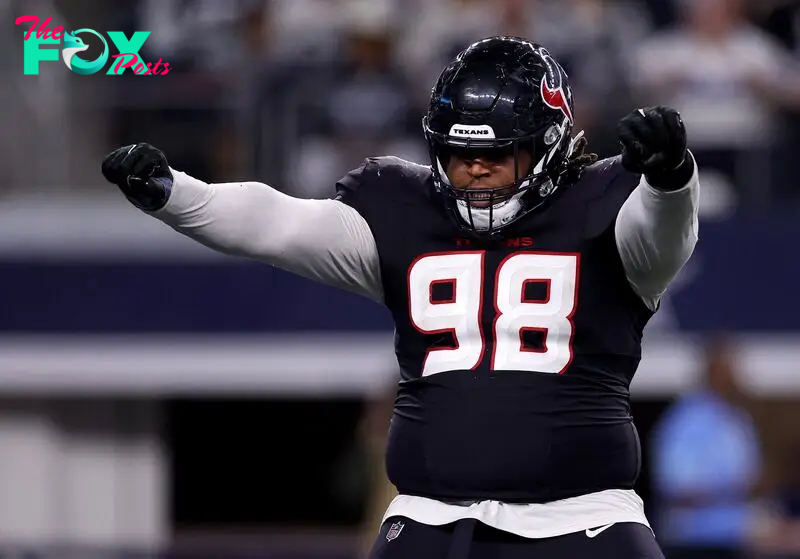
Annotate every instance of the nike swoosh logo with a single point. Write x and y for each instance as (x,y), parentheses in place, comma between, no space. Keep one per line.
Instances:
(593,533)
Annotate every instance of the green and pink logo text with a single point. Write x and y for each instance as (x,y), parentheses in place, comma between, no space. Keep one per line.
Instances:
(73,45)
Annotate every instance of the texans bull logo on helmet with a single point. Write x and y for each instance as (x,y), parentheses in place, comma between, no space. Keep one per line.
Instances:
(552,86)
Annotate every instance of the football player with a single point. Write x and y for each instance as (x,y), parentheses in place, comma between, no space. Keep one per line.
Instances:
(520,273)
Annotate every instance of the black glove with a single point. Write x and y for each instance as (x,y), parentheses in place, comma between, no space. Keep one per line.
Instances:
(654,144)
(142,174)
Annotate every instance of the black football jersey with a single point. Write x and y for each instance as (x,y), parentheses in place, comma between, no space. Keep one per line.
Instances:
(516,356)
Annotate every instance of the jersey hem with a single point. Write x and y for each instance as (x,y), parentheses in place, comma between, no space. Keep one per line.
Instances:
(535,521)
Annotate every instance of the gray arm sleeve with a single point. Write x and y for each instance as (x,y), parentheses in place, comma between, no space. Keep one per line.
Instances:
(323,240)
(656,233)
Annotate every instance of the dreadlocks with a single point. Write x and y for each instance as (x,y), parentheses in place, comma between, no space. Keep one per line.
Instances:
(577,162)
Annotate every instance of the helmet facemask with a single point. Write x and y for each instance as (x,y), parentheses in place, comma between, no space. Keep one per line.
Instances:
(485,212)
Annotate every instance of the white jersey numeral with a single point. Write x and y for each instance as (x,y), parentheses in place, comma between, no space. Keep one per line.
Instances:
(514,313)
(460,315)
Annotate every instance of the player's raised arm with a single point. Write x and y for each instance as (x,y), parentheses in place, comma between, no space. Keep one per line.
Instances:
(656,228)
(324,240)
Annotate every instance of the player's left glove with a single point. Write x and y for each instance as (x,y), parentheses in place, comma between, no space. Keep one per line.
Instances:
(653,143)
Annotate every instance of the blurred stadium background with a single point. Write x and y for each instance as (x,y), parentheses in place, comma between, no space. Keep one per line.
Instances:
(240,412)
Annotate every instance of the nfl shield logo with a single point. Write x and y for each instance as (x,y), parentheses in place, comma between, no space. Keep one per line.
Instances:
(394,531)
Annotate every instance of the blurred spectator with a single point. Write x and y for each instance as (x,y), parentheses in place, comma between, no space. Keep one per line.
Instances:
(305,30)
(780,18)
(779,531)
(436,31)
(439,29)
(215,50)
(729,79)
(205,33)
(706,464)
(662,11)
(594,41)
(362,106)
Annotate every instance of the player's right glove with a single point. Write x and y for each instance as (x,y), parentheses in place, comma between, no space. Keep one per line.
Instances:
(142,174)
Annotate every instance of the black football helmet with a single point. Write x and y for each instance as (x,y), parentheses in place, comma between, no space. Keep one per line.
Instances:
(505,94)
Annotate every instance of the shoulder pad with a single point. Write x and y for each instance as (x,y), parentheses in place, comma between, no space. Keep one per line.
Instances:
(606,175)
(381,176)
(607,185)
